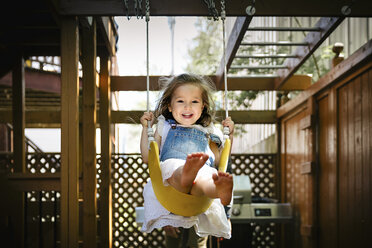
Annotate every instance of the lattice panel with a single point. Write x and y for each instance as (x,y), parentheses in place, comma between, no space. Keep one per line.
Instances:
(129,177)
(43,162)
(264,235)
(42,210)
(99,173)
(261,170)
(43,207)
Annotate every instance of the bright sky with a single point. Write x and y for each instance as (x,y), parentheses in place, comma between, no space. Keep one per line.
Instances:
(131,52)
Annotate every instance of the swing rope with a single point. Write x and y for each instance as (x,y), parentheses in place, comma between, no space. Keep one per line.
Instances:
(226,130)
(150,132)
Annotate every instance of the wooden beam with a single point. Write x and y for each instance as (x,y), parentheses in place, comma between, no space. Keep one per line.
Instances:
(105,124)
(236,36)
(233,8)
(69,133)
(314,39)
(19,153)
(108,34)
(134,83)
(36,181)
(239,117)
(138,83)
(18,120)
(250,116)
(38,80)
(52,117)
(51,82)
(296,82)
(351,64)
(89,40)
(34,117)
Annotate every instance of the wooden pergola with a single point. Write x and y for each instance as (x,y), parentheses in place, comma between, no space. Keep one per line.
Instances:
(81,31)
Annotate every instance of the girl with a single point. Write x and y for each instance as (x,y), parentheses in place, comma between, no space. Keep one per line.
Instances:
(185,115)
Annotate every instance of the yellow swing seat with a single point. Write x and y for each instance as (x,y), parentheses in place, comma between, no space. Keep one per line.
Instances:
(173,200)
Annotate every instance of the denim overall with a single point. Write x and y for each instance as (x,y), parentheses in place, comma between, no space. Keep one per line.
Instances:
(181,141)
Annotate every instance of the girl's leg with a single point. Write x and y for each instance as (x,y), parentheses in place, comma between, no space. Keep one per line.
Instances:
(183,178)
(218,186)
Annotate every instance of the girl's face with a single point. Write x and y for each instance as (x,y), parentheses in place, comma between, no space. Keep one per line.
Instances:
(186,104)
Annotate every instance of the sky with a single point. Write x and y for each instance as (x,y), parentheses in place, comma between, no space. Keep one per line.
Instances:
(131,58)
(131,52)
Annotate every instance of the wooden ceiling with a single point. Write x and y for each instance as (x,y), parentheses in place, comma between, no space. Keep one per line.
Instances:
(233,7)
(32,28)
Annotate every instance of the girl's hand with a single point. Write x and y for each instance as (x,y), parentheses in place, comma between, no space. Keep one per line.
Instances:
(147,116)
(230,124)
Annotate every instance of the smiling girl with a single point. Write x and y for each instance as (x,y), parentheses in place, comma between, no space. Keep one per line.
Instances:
(190,146)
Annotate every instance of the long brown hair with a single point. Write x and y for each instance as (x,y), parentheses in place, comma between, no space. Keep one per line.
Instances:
(205,84)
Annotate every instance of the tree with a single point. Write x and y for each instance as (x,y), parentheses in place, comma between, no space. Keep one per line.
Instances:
(206,51)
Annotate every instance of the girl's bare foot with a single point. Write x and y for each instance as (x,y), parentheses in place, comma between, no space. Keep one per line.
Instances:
(194,162)
(224,186)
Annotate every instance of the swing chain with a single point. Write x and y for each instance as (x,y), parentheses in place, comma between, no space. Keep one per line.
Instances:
(127,8)
(147,3)
(223,11)
(212,9)
(138,8)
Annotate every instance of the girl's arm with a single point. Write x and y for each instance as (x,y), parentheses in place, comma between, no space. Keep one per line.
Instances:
(147,116)
(217,151)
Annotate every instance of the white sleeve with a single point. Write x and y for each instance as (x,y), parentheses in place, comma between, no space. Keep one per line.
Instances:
(218,132)
(160,125)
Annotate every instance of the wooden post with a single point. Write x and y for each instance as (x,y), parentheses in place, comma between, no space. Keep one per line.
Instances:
(19,153)
(89,136)
(69,133)
(19,94)
(105,122)
(310,172)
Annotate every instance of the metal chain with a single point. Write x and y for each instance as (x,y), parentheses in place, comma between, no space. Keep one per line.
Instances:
(212,9)
(138,8)
(147,6)
(127,8)
(223,12)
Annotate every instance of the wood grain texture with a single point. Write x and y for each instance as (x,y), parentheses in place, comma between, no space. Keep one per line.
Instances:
(69,133)
(89,136)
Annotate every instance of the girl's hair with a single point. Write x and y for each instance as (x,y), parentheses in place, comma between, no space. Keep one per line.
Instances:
(171,84)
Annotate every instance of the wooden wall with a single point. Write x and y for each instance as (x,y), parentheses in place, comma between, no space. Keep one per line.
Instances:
(296,185)
(326,159)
